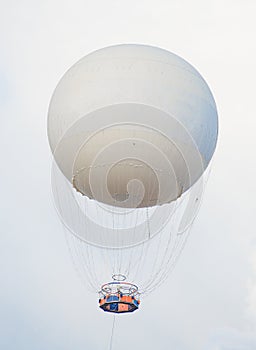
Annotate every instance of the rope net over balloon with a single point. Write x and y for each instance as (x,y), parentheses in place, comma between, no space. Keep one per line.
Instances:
(134,236)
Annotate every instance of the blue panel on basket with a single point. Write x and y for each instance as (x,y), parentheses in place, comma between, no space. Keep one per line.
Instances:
(112,298)
(114,307)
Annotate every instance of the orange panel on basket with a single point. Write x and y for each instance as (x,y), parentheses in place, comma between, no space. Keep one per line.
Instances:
(122,307)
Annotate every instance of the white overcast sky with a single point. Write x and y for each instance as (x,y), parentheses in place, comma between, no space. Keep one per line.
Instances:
(209,301)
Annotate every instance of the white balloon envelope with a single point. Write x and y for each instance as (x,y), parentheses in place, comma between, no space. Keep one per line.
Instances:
(132,126)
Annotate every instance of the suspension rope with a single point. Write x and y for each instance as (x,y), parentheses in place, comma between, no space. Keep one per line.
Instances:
(112,334)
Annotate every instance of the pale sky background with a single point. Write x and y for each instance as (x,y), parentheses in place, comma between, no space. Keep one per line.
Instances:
(209,301)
